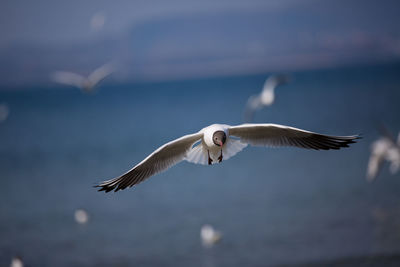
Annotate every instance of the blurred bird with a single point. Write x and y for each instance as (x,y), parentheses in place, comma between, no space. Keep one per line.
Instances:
(265,98)
(97,21)
(4,112)
(16,262)
(81,216)
(386,148)
(209,236)
(86,84)
(215,142)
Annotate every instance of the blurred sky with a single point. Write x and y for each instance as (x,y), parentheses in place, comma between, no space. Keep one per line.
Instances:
(161,40)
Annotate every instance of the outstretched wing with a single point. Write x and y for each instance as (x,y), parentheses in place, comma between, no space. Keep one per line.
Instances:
(101,73)
(379,150)
(164,157)
(398,139)
(279,135)
(275,80)
(253,103)
(68,78)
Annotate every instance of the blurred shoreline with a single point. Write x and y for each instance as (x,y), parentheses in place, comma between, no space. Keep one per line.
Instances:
(347,71)
(377,260)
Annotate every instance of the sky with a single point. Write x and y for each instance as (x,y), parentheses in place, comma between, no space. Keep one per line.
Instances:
(69,21)
(161,40)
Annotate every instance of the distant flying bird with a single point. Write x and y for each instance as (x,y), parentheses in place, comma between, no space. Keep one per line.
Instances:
(81,216)
(86,84)
(265,98)
(386,148)
(217,142)
(16,262)
(209,236)
(97,21)
(4,112)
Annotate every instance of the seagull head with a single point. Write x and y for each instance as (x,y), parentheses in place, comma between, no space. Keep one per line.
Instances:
(219,138)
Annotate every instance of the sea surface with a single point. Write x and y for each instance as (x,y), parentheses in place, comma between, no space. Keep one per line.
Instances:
(274,206)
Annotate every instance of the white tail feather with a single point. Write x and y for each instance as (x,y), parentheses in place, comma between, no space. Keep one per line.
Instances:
(197,155)
(232,147)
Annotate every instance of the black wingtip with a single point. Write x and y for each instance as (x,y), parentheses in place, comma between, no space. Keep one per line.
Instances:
(108,188)
(354,139)
(339,142)
(104,188)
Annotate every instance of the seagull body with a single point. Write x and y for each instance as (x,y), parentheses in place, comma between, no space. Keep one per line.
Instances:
(81,216)
(265,98)
(216,142)
(384,149)
(4,112)
(16,262)
(209,236)
(97,21)
(86,84)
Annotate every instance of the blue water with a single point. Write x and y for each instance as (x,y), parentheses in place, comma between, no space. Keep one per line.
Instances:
(273,206)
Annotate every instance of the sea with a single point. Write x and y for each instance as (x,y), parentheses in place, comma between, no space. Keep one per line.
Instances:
(273,206)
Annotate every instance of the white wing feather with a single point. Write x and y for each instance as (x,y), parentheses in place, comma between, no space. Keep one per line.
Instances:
(68,78)
(279,135)
(100,73)
(161,159)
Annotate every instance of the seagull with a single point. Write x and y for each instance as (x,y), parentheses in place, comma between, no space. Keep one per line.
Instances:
(81,216)
(4,112)
(216,142)
(97,21)
(86,84)
(265,98)
(209,236)
(16,262)
(386,148)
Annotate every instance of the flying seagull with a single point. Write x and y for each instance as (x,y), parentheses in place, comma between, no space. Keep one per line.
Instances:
(265,98)
(81,216)
(4,112)
(209,236)
(86,84)
(216,142)
(16,262)
(386,148)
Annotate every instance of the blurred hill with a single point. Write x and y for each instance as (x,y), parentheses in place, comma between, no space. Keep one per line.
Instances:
(217,43)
